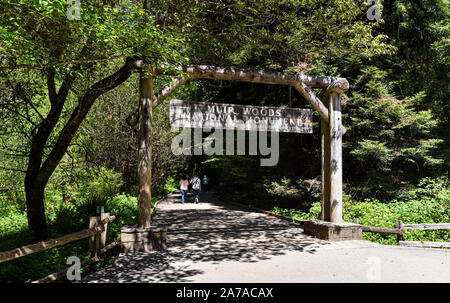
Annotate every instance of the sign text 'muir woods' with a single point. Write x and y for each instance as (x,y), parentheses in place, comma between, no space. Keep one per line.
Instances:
(240,117)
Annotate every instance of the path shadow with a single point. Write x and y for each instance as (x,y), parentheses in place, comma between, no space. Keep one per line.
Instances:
(142,267)
(207,232)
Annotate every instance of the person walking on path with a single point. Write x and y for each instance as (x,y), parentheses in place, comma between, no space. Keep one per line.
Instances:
(196,187)
(184,184)
(205,183)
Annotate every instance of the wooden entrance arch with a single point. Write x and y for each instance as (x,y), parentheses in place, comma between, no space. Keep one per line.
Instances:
(328,106)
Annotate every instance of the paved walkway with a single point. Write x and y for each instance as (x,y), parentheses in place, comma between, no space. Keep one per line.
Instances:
(216,242)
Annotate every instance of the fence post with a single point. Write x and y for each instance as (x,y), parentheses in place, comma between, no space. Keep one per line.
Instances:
(104,235)
(399,224)
(94,241)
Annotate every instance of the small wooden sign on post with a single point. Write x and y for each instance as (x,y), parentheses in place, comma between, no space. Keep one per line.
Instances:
(240,117)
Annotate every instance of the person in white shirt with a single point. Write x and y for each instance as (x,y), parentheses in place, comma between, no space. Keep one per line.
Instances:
(184,184)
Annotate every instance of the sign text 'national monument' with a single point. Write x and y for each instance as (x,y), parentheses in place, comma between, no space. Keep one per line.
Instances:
(240,117)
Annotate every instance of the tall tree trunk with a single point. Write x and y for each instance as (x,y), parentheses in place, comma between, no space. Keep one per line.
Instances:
(37,222)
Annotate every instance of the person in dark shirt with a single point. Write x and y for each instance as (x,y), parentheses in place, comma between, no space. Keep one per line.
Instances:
(196,184)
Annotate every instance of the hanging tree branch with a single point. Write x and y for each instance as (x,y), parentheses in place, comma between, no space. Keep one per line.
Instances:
(79,114)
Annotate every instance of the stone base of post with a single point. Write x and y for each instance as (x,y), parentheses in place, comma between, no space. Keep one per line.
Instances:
(143,239)
(333,231)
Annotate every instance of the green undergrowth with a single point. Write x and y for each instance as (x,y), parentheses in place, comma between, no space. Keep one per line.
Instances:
(428,203)
(63,219)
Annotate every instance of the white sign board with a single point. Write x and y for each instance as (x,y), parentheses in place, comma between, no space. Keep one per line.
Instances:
(240,117)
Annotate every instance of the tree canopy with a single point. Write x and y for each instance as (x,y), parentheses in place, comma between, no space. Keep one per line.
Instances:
(67,85)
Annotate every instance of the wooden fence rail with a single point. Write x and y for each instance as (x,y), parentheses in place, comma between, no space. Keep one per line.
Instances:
(98,227)
(382,230)
(426,226)
(97,231)
(62,273)
(400,228)
(427,244)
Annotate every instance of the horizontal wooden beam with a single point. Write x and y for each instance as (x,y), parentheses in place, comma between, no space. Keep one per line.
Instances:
(382,230)
(245,75)
(426,226)
(424,244)
(301,82)
(260,76)
(254,76)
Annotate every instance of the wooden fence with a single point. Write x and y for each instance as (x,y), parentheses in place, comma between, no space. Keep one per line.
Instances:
(400,229)
(97,234)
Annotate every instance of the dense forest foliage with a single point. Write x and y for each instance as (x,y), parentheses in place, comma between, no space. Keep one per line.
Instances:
(67,90)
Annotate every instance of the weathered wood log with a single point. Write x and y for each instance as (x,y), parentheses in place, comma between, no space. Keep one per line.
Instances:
(145,148)
(326,162)
(315,102)
(381,230)
(332,160)
(94,242)
(62,273)
(44,245)
(426,226)
(159,97)
(103,237)
(425,244)
(335,125)
(239,74)
(169,89)
(399,225)
(300,81)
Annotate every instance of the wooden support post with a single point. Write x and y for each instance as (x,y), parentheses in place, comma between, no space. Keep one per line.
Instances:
(94,240)
(336,157)
(399,224)
(104,235)
(326,160)
(145,147)
(332,160)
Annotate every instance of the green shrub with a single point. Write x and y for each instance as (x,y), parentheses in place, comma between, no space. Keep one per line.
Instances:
(124,207)
(171,185)
(66,219)
(13,198)
(428,203)
(99,186)
(94,187)
(312,214)
(300,190)
(12,221)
